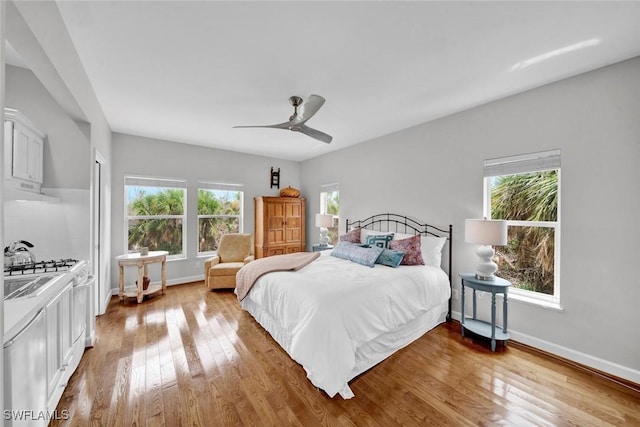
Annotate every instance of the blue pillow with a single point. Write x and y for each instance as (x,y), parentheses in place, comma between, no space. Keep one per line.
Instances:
(390,257)
(366,256)
(379,240)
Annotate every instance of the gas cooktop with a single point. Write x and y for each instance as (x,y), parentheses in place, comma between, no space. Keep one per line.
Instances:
(38,267)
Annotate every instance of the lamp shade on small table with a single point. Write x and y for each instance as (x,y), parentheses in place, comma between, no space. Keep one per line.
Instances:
(324,221)
(487,233)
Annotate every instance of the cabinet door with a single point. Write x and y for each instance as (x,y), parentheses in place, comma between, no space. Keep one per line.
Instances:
(25,387)
(275,218)
(20,166)
(66,329)
(293,222)
(28,149)
(52,311)
(34,164)
(59,351)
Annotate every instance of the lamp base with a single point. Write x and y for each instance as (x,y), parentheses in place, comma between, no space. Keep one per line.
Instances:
(486,267)
(324,240)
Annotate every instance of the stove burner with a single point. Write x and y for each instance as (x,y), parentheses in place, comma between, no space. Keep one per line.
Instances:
(40,267)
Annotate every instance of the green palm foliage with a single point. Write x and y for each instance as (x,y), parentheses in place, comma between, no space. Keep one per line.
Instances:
(157,233)
(333,206)
(221,204)
(528,258)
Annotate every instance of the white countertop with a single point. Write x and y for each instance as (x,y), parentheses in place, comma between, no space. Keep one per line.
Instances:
(137,255)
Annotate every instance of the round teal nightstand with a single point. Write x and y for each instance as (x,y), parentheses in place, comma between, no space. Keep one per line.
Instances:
(482,328)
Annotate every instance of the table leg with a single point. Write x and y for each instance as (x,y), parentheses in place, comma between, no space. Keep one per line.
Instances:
(164,276)
(493,321)
(474,303)
(504,315)
(140,283)
(462,308)
(121,283)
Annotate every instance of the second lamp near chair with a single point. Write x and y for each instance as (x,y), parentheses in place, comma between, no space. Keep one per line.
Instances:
(234,251)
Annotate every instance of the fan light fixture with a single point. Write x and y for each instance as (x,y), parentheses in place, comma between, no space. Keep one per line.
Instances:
(302,111)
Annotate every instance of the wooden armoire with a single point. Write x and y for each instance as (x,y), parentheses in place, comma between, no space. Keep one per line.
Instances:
(279,225)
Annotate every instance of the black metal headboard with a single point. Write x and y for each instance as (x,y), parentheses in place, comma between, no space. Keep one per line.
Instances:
(402,224)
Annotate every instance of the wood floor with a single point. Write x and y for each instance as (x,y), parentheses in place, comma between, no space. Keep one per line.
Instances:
(194,358)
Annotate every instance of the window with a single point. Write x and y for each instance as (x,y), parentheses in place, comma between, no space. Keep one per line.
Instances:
(525,191)
(155,214)
(219,212)
(330,204)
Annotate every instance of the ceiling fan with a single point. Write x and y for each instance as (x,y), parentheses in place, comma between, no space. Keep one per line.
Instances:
(302,111)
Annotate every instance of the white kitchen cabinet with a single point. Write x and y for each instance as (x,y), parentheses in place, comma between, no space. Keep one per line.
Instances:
(24,151)
(25,387)
(59,344)
(28,149)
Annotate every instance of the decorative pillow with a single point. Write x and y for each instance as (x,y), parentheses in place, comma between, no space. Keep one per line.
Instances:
(366,256)
(390,258)
(352,236)
(380,240)
(431,249)
(364,235)
(411,248)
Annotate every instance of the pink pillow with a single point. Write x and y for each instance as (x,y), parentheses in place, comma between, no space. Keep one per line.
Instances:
(353,236)
(411,248)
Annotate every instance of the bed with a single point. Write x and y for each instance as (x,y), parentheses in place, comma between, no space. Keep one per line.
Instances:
(338,318)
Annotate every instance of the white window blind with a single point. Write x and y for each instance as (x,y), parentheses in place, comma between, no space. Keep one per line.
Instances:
(327,188)
(545,160)
(229,186)
(140,181)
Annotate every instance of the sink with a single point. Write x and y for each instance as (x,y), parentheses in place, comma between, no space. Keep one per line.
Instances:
(17,287)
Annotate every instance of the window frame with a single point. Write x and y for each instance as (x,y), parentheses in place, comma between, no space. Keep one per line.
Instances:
(218,186)
(156,182)
(521,164)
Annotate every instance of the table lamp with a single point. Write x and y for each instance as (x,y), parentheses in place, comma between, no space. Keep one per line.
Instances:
(487,233)
(324,221)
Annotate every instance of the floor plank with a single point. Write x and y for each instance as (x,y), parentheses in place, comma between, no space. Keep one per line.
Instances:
(193,357)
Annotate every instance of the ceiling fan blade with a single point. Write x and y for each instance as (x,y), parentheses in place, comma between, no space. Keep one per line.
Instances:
(285,125)
(308,109)
(314,133)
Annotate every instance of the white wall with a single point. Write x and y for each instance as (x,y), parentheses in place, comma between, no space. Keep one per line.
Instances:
(66,148)
(433,172)
(133,155)
(56,229)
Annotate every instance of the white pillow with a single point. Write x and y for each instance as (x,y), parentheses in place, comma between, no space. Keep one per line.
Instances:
(402,236)
(431,249)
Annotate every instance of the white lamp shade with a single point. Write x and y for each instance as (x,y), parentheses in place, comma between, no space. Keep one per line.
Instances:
(485,232)
(324,220)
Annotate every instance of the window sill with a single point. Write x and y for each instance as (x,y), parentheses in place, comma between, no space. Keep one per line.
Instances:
(546,304)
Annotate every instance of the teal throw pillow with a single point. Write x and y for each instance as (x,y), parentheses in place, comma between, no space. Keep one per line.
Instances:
(379,240)
(390,258)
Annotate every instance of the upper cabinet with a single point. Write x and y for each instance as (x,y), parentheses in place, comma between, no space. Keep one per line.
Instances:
(24,150)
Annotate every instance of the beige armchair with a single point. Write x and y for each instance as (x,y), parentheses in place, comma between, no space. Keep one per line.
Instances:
(234,251)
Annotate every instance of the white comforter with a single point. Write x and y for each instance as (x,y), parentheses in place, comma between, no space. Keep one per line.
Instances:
(322,314)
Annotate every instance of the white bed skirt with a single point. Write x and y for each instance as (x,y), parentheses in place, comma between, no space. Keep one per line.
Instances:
(370,353)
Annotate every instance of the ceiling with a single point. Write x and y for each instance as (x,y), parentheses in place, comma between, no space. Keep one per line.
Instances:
(190,71)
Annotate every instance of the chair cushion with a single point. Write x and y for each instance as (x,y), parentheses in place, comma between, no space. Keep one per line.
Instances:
(234,247)
(225,269)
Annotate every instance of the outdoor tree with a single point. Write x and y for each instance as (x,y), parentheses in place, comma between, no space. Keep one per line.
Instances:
(528,258)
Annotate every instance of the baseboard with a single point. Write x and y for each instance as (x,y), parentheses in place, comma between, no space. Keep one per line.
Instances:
(611,370)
